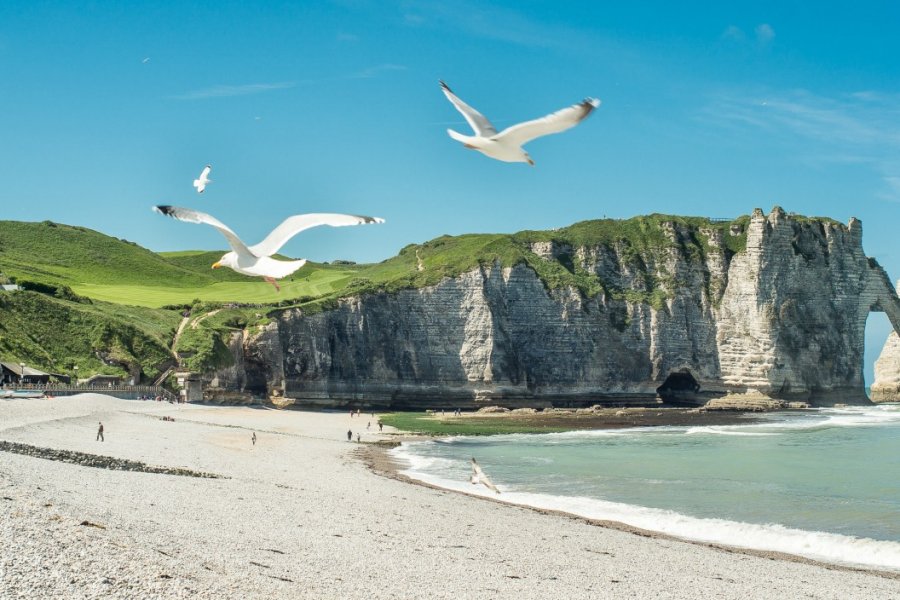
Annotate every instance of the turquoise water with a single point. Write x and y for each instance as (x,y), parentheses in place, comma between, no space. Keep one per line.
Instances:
(820,483)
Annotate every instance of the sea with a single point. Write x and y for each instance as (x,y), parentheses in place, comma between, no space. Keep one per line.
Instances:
(819,483)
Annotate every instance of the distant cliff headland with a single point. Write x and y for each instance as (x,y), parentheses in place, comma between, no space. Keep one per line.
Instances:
(685,308)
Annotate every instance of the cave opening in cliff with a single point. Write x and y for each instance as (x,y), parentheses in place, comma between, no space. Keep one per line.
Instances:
(679,387)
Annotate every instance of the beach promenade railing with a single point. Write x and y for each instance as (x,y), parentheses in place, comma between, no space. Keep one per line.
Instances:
(128,392)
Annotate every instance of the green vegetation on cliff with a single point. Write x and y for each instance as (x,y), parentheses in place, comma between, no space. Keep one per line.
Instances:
(420,265)
(57,335)
(203,343)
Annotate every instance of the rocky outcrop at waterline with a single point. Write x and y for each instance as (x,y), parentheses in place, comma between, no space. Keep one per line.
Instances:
(886,387)
(771,304)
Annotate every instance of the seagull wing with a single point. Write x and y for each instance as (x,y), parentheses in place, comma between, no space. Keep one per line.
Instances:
(204,174)
(294,225)
(477,120)
(561,120)
(193,216)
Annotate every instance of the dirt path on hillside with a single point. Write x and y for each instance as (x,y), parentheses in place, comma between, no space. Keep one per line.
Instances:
(181,327)
(201,318)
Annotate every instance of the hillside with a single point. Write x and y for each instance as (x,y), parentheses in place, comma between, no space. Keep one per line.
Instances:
(62,254)
(56,335)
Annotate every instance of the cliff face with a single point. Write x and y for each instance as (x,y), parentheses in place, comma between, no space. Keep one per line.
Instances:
(689,319)
(886,387)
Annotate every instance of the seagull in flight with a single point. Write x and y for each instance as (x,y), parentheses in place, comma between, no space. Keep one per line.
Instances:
(507,145)
(200,182)
(256,260)
(478,476)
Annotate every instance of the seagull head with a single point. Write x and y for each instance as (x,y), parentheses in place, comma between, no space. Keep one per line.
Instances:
(228,259)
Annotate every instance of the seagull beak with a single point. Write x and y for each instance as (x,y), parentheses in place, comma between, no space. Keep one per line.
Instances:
(216,265)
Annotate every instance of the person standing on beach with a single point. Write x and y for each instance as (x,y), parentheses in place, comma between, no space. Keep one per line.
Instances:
(349,435)
(100,432)
(357,438)
(253,438)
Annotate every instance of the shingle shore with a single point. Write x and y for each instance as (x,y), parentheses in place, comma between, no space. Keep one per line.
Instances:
(299,516)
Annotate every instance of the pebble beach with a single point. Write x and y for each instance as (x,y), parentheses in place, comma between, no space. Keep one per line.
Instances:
(191,508)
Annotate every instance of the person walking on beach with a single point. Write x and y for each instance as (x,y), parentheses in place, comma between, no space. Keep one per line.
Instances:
(380,426)
(100,432)
(253,438)
(349,435)
(357,438)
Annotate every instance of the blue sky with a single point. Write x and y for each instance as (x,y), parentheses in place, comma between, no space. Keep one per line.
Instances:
(107,108)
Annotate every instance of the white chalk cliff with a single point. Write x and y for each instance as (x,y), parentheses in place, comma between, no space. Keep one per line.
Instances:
(784,316)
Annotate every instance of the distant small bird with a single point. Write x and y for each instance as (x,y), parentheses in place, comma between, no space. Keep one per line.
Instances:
(255,260)
(478,476)
(146,60)
(507,145)
(200,182)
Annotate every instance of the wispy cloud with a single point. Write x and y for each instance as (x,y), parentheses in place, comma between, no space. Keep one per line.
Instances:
(734,33)
(224,91)
(492,22)
(853,128)
(764,33)
(377,70)
(892,189)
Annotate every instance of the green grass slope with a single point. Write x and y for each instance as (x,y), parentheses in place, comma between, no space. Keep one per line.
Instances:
(61,254)
(55,335)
